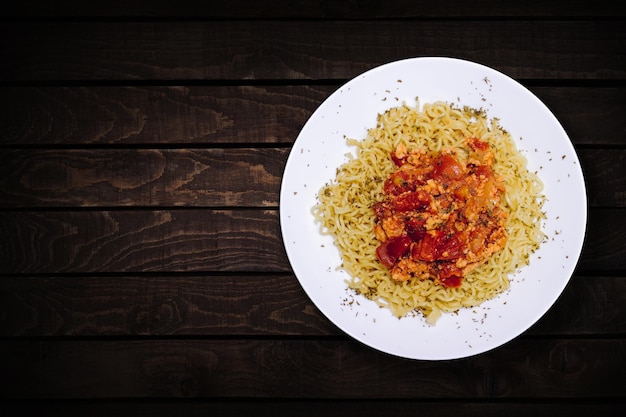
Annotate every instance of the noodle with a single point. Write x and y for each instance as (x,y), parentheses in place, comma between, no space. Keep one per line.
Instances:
(344,208)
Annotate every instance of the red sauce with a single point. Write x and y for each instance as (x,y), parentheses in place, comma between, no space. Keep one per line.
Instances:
(440,217)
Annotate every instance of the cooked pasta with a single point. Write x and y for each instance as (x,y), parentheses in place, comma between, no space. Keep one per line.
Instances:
(344,208)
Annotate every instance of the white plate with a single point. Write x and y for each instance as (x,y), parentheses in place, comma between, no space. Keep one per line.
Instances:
(350,111)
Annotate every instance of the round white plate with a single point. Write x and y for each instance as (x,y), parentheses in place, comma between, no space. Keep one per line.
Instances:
(321,148)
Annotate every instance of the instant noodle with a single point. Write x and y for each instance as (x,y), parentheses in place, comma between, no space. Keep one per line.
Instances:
(351,208)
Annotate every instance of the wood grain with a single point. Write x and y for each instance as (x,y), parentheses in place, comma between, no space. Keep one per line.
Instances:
(141,241)
(232,305)
(237,305)
(303,50)
(142,177)
(253,368)
(156,115)
(603,169)
(213,115)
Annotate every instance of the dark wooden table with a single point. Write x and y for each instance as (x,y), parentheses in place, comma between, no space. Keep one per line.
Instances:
(142,270)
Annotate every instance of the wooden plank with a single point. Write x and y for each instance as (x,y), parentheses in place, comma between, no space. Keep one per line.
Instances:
(598,306)
(603,247)
(141,241)
(237,305)
(315,407)
(605,175)
(157,115)
(238,114)
(251,9)
(581,110)
(87,241)
(233,305)
(142,177)
(303,50)
(253,368)
(216,177)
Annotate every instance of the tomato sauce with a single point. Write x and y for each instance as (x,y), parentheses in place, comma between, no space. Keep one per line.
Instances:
(440,216)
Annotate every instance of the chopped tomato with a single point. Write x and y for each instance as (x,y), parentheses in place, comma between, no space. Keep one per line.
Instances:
(398,183)
(477,144)
(447,168)
(450,275)
(462,191)
(482,171)
(415,229)
(412,201)
(399,155)
(398,161)
(438,246)
(449,247)
(425,249)
(381,210)
(389,252)
(454,281)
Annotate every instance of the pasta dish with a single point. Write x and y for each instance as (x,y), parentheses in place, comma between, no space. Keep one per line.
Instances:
(434,211)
